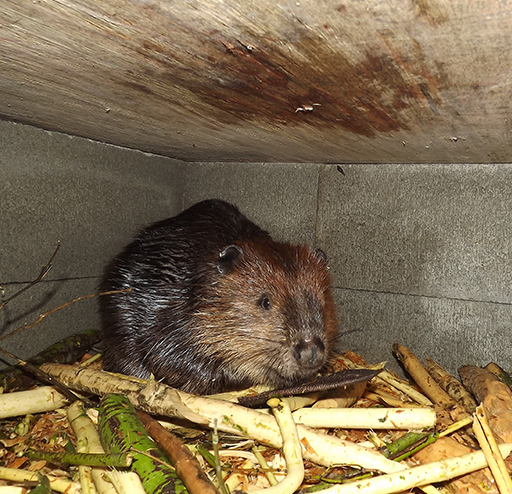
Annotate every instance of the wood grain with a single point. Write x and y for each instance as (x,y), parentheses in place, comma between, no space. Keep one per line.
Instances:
(302,80)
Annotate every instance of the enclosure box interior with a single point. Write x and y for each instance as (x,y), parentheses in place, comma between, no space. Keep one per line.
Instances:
(377,131)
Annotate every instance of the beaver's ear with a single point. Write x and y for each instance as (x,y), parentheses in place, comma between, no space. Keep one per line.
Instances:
(321,255)
(229,258)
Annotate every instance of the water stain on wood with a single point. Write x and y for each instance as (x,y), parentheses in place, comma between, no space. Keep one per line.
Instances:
(261,80)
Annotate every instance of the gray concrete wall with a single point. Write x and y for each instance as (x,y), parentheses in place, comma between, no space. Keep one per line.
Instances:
(89,196)
(420,254)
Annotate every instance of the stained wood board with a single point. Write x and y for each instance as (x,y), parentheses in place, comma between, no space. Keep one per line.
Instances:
(297,81)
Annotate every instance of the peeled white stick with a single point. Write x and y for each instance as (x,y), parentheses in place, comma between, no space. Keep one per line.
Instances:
(162,400)
(106,481)
(126,482)
(86,481)
(38,400)
(367,418)
(438,471)
(75,411)
(405,388)
(56,483)
(319,448)
(292,450)
(88,440)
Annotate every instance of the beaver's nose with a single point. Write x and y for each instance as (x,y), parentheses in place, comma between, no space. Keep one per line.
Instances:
(310,353)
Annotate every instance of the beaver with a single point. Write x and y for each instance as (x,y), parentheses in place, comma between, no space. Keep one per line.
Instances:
(216,305)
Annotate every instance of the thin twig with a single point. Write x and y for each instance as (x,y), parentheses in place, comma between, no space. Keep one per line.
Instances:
(35,370)
(55,309)
(264,466)
(154,458)
(218,467)
(44,271)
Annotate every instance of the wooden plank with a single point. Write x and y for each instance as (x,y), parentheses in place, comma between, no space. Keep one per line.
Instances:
(302,80)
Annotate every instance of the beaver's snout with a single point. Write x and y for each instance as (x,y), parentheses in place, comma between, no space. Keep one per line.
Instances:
(310,352)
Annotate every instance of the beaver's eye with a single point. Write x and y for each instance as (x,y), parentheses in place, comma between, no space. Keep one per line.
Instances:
(265,303)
